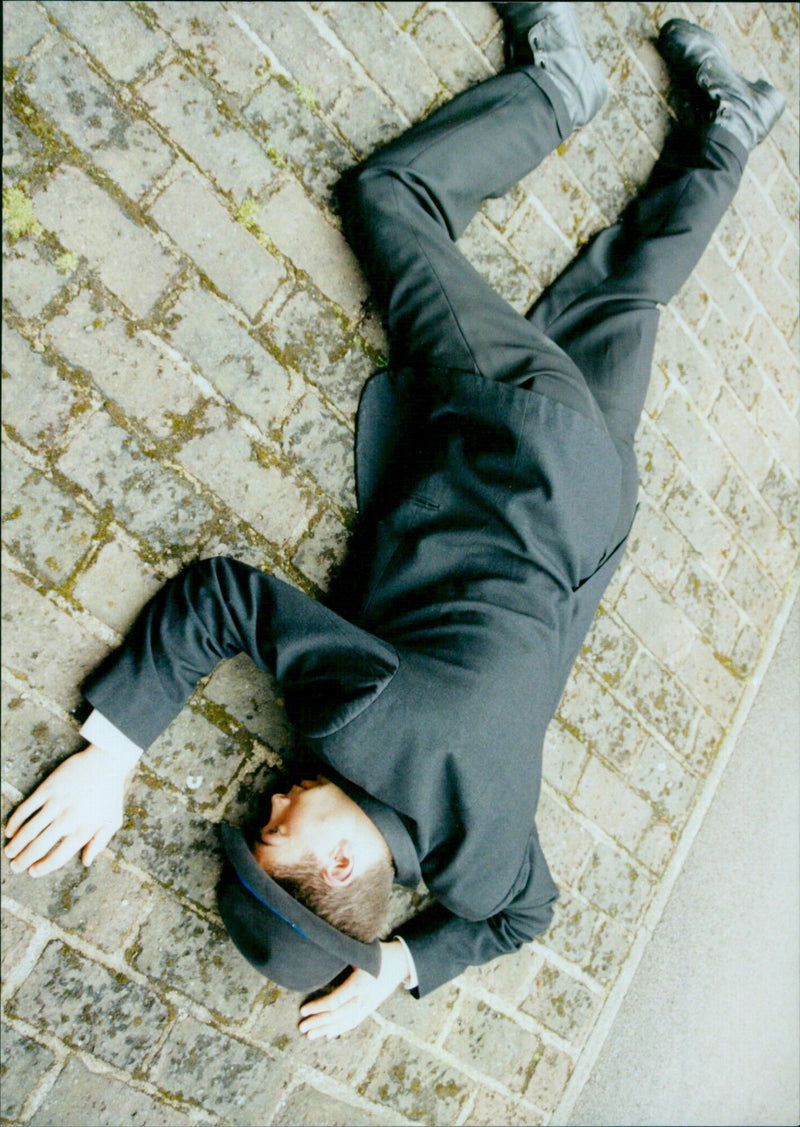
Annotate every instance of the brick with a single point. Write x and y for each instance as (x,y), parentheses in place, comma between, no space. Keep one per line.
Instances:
(508,977)
(724,287)
(77,899)
(657,622)
(392,57)
(780,493)
(780,427)
(200,1064)
(17,936)
(655,547)
(20,146)
(236,363)
(732,357)
(87,110)
(37,402)
(23,27)
(43,526)
(758,526)
(664,781)
(492,1043)
(570,933)
(292,132)
(703,599)
(775,294)
(677,355)
(310,340)
(196,757)
(222,456)
(657,846)
(30,281)
(150,500)
(562,1004)
(123,44)
(216,41)
(80,1095)
(477,19)
(366,119)
(126,256)
(660,700)
(308,1107)
(57,656)
(127,367)
(191,115)
(565,842)
(231,257)
(434,35)
(91,1008)
(343,1060)
(607,953)
(759,216)
(310,58)
(176,846)
(423,1017)
(565,200)
(689,436)
(656,459)
(611,804)
(186,952)
(34,740)
(592,711)
(321,552)
(539,245)
(616,885)
(492,1107)
(553,1070)
(416,1083)
(299,229)
(116,586)
(692,302)
(24,1063)
(593,164)
(776,358)
(690,511)
(252,698)
(710,680)
(320,444)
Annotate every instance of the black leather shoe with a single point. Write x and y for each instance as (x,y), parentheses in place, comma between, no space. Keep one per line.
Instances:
(547,36)
(700,64)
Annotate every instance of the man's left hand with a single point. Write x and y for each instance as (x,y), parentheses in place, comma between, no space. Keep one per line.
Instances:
(358,996)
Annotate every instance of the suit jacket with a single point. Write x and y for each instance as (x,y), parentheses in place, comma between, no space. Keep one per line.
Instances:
(487,517)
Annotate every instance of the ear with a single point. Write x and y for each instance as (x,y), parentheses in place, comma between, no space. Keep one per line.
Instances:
(339,869)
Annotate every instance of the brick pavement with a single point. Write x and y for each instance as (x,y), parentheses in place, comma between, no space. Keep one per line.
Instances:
(186,334)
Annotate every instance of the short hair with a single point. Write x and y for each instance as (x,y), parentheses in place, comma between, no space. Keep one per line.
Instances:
(359,908)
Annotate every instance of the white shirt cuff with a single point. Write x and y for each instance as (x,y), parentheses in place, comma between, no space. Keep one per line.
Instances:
(103,734)
(412,980)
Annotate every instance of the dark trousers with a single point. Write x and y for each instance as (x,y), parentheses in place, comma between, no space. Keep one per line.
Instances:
(589,339)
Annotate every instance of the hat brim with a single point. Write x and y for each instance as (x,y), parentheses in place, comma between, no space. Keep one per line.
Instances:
(279,936)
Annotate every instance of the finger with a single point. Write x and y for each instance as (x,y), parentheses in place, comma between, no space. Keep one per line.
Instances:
(29,832)
(58,856)
(96,845)
(332,1024)
(39,848)
(328,1002)
(29,806)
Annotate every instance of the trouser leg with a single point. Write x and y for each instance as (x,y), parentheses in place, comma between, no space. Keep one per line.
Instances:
(405,207)
(603,310)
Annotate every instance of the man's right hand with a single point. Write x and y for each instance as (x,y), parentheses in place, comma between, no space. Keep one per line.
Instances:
(77,807)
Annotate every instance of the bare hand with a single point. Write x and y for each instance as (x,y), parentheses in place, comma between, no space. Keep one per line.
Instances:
(358,996)
(77,807)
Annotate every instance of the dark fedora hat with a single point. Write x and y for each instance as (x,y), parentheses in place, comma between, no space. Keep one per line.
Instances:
(277,934)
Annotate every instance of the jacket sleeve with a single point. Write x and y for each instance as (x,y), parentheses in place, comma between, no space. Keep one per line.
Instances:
(443,945)
(328,669)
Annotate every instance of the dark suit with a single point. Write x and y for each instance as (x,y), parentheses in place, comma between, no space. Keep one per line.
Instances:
(496,483)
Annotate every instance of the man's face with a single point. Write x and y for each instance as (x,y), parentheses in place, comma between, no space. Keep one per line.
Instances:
(298,822)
